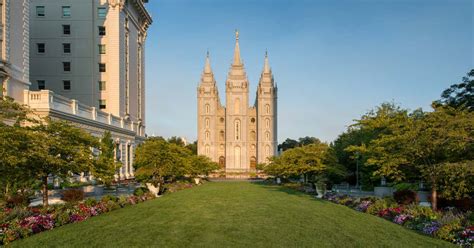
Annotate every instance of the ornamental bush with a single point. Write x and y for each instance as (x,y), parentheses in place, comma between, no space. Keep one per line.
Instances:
(72,195)
(405,196)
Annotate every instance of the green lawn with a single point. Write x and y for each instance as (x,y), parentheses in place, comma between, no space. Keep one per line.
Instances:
(233,214)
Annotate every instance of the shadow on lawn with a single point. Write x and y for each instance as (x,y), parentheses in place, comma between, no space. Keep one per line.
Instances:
(289,191)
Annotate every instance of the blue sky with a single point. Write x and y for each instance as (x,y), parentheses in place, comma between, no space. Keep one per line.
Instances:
(333,60)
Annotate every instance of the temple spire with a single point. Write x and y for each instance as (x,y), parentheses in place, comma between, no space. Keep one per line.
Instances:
(266,66)
(207,67)
(237,50)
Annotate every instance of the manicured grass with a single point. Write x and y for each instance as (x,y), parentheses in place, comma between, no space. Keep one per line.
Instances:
(236,214)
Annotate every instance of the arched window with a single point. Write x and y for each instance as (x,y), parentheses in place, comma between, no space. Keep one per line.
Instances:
(253,163)
(207,135)
(267,109)
(208,108)
(237,130)
(207,123)
(252,135)
(237,106)
(222,162)
(267,123)
(208,150)
(221,135)
(267,136)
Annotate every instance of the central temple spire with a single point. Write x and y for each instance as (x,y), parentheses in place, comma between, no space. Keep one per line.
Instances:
(207,67)
(266,66)
(237,49)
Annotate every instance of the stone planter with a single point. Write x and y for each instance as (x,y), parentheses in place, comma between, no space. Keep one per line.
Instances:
(320,190)
(88,189)
(153,189)
(423,198)
(383,191)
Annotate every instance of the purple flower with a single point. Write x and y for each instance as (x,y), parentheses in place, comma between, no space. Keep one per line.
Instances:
(38,223)
(401,218)
(363,206)
(431,227)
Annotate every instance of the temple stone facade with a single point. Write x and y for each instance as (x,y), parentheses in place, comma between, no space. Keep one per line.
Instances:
(237,135)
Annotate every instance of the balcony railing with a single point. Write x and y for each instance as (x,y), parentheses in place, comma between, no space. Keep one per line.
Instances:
(48,100)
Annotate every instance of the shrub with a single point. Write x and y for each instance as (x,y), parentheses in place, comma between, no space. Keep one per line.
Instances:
(73,195)
(17,200)
(405,196)
(61,217)
(90,202)
(107,198)
(123,201)
(421,212)
(405,186)
(140,191)
(378,206)
(16,213)
(448,231)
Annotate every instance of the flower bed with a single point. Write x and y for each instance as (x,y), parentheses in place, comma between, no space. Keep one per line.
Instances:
(451,225)
(21,222)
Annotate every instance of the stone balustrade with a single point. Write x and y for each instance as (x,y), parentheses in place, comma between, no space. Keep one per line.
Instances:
(47,100)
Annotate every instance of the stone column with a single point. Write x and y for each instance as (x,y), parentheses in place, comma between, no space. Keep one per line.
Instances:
(132,153)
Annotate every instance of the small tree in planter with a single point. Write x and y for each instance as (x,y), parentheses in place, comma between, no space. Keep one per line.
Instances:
(158,161)
(200,165)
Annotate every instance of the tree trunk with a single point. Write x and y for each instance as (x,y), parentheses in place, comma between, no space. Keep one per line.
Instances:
(45,191)
(434,198)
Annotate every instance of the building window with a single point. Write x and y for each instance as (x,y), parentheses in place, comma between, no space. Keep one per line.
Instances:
(101,49)
(67,84)
(40,11)
(267,136)
(267,123)
(267,109)
(67,48)
(267,152)
(221,135)
(237,130)
(101,30)
(102,12)
(253,136)
(66,29)
(102,86)
(207,123)
(41,47)
(208,108)
(66,11)
(207,135)
(41,84)
(66,66)
(102,104)
(101,67)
